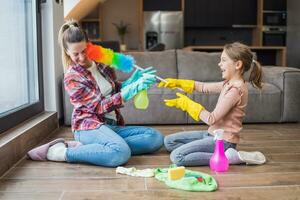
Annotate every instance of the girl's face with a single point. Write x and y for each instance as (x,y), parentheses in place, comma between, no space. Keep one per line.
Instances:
(77,53)
(229,67)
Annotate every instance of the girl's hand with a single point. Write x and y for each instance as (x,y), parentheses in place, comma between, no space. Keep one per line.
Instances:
(186,85)
(185,104)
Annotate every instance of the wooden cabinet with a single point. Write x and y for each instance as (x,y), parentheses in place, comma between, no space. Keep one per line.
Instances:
(217,22)
(249,21)
(216,13)
(272,23)
(196,13)
(162,5)
(244,13)
(275,5)
(220,13)
(207,13)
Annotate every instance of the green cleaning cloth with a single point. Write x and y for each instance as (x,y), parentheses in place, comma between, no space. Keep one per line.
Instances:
(192,180)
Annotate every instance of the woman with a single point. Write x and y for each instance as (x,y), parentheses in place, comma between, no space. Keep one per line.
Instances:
(97,124)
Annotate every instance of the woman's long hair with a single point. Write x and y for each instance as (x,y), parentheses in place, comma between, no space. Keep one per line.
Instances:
(70,32)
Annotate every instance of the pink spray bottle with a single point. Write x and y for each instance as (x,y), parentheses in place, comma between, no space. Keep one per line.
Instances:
(219,162)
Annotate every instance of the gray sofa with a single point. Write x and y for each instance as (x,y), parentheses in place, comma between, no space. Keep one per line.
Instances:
(278,101)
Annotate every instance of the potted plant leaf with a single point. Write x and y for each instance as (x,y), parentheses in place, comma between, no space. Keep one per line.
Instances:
(122,29)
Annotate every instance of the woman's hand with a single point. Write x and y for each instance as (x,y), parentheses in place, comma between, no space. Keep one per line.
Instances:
(138,74)
(143,83)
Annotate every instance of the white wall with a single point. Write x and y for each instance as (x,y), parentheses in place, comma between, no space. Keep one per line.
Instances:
(293,33)
(52,19)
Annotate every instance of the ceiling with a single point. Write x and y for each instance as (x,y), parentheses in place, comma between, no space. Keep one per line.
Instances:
(78,9)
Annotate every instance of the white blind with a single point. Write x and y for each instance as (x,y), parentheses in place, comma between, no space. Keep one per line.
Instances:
(18,55)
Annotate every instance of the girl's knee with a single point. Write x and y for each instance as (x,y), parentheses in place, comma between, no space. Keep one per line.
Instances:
(177,158)
(168,142)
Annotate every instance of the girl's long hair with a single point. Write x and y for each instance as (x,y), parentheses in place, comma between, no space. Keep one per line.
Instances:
(238,51)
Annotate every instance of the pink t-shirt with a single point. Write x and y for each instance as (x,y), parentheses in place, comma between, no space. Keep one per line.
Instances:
(230,109)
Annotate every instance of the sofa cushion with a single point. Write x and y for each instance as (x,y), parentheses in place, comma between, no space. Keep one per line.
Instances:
(263,106)
(157,112)
(288,80)
(200,66)
(164,62)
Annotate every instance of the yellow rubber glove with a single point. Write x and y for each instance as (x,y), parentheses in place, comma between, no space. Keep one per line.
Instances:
(186,104)
(186,85)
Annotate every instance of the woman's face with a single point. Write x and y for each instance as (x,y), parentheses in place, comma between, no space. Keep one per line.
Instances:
(77,53)
(227,66)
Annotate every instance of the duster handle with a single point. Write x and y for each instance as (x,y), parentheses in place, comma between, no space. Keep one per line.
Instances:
(159,78)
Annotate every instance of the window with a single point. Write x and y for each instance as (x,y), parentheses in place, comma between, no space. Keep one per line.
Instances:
(21,88)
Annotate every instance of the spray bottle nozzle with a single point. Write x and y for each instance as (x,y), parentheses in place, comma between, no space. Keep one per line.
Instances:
(218,134)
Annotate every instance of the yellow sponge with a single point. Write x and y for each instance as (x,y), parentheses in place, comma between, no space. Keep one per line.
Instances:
(176,173)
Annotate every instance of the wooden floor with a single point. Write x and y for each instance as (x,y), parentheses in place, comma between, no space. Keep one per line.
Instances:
(279,178)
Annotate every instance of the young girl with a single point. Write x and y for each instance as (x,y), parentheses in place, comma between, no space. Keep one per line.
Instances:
(196,147)
(96,120)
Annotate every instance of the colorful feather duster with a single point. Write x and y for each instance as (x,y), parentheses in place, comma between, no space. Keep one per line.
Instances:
(124,63)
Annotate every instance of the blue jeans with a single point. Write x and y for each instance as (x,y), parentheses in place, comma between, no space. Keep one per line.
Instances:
(112,145)
(192,148)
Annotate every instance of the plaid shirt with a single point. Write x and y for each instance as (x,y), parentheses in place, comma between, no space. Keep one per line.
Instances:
(89,103)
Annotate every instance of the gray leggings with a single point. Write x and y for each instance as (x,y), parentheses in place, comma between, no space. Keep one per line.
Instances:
(192,148)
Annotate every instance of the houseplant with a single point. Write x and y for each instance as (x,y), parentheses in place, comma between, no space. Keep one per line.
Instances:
(122,29)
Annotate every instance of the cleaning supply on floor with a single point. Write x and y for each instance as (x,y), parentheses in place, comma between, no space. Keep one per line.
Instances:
(252,158)
(219,162)
(191,181)
(176,173)
(132,171)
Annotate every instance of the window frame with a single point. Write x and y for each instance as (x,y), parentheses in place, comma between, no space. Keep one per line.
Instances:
(13,119)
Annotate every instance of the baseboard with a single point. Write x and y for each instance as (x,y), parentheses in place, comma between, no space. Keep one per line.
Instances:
(16,142)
